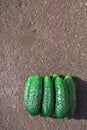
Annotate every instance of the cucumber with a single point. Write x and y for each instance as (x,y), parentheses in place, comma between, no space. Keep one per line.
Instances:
(61,99)
(35,95)
(54,77)
(71,95)
(26,90)
(48,97)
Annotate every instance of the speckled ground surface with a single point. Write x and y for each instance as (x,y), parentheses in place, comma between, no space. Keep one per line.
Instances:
(41,36)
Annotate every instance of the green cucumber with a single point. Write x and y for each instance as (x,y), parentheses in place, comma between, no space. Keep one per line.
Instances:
(61,99)
(71,95)
(48,97)
(54,76)
(26,90)
(35,95)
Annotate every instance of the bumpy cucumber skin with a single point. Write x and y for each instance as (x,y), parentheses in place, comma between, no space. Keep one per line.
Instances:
(48,97)
(26,91)
(35,95)
(71,95)
(61,99)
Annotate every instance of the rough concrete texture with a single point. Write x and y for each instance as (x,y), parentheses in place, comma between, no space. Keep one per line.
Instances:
(41,36)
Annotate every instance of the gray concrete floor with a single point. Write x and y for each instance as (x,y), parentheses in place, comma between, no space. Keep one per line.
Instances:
(41,36)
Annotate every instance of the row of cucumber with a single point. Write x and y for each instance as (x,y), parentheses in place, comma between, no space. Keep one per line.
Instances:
(50,96)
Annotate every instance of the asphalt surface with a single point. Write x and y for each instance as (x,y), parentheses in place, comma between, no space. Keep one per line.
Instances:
(41,36)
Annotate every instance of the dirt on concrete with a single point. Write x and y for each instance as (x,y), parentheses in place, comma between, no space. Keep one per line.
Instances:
(41,36)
